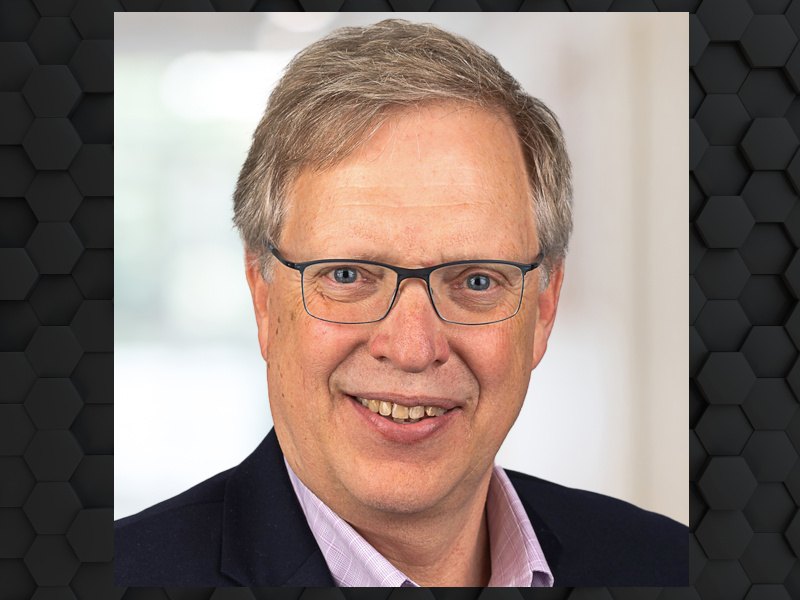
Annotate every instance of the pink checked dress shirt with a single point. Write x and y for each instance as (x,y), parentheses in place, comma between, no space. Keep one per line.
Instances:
(517,558)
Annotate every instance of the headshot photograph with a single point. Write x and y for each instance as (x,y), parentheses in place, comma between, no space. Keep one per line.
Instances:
(401,300)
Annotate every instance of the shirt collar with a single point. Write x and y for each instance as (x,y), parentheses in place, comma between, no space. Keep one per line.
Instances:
(516,555)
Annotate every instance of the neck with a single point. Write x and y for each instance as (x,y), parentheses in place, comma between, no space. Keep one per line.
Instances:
(449,548)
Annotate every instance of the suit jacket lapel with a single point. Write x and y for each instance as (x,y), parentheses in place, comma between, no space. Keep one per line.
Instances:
(266,540)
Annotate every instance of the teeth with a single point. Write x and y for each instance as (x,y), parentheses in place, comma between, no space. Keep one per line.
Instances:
(399,412)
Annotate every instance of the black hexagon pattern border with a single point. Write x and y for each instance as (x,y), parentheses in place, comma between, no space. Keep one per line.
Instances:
(56,313)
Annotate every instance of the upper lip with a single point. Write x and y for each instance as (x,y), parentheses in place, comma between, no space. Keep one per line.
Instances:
(403,400)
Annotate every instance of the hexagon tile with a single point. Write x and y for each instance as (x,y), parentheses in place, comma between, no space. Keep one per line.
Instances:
(722,274)
(770,404)
(51,144)
(769,351)
(769,197)
(725,222)
(53,196)
(51,507)
(721,69)
(723,430)
(766,300)
(766,93)
(723,119)
(769,144)
(771,508)
(723,325)
(724,534)
(722,579)
(54,40)
(725,19)
(768,41)
(51,91)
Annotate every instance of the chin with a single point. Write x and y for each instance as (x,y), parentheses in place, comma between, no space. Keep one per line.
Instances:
(402,502)
(406,492)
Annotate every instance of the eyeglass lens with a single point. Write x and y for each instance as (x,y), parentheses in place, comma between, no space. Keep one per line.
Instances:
(473,293)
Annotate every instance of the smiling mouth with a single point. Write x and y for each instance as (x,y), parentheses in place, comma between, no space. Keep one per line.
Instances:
(400,413)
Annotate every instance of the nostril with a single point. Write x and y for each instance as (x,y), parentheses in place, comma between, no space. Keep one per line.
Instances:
(409,346)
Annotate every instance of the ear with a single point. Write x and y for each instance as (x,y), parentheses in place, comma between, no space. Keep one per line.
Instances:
(259,291)
(546,307)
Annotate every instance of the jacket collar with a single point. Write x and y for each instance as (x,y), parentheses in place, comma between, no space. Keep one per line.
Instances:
(548,540)
(266,540)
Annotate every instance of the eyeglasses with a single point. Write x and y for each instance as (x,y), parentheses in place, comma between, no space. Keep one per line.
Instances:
(465,292)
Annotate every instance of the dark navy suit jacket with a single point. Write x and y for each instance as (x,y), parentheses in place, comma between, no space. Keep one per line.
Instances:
(245,527)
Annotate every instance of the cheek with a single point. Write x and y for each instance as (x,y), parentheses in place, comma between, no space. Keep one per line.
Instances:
(499,357)
(305,352)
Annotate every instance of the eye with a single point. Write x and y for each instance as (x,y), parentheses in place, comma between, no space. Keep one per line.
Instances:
(345,275)
(478,282)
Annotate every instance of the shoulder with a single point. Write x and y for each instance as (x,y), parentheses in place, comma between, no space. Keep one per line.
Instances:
(243,527)
(599,540)
(177,539)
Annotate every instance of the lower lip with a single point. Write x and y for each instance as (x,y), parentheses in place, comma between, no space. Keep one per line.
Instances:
(408,433)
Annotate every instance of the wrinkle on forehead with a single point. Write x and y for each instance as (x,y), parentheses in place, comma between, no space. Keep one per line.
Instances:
(397,204)
(410,122)
(470,190)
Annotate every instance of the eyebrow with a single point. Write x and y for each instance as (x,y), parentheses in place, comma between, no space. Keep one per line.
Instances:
(382,257)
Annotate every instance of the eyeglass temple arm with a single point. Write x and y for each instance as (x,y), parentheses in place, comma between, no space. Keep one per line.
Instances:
(280,257)
(537,262)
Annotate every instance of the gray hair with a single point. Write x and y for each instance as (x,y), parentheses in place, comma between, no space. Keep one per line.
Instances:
(338,91)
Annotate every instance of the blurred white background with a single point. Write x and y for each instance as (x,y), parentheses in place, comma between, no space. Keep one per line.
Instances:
(607,409)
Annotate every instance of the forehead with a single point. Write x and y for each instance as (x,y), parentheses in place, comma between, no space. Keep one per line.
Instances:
(444,178)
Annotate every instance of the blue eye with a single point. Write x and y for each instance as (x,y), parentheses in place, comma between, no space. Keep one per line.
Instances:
(345,275)
(478,282)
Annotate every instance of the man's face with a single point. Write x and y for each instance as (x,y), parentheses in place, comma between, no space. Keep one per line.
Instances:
(436,183)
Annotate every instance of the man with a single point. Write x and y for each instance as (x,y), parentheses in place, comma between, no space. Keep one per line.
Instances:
(405,211)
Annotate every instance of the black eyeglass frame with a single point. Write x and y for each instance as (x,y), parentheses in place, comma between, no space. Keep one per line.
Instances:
(402,273)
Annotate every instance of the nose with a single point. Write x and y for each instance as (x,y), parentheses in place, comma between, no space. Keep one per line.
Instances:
(411,337)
